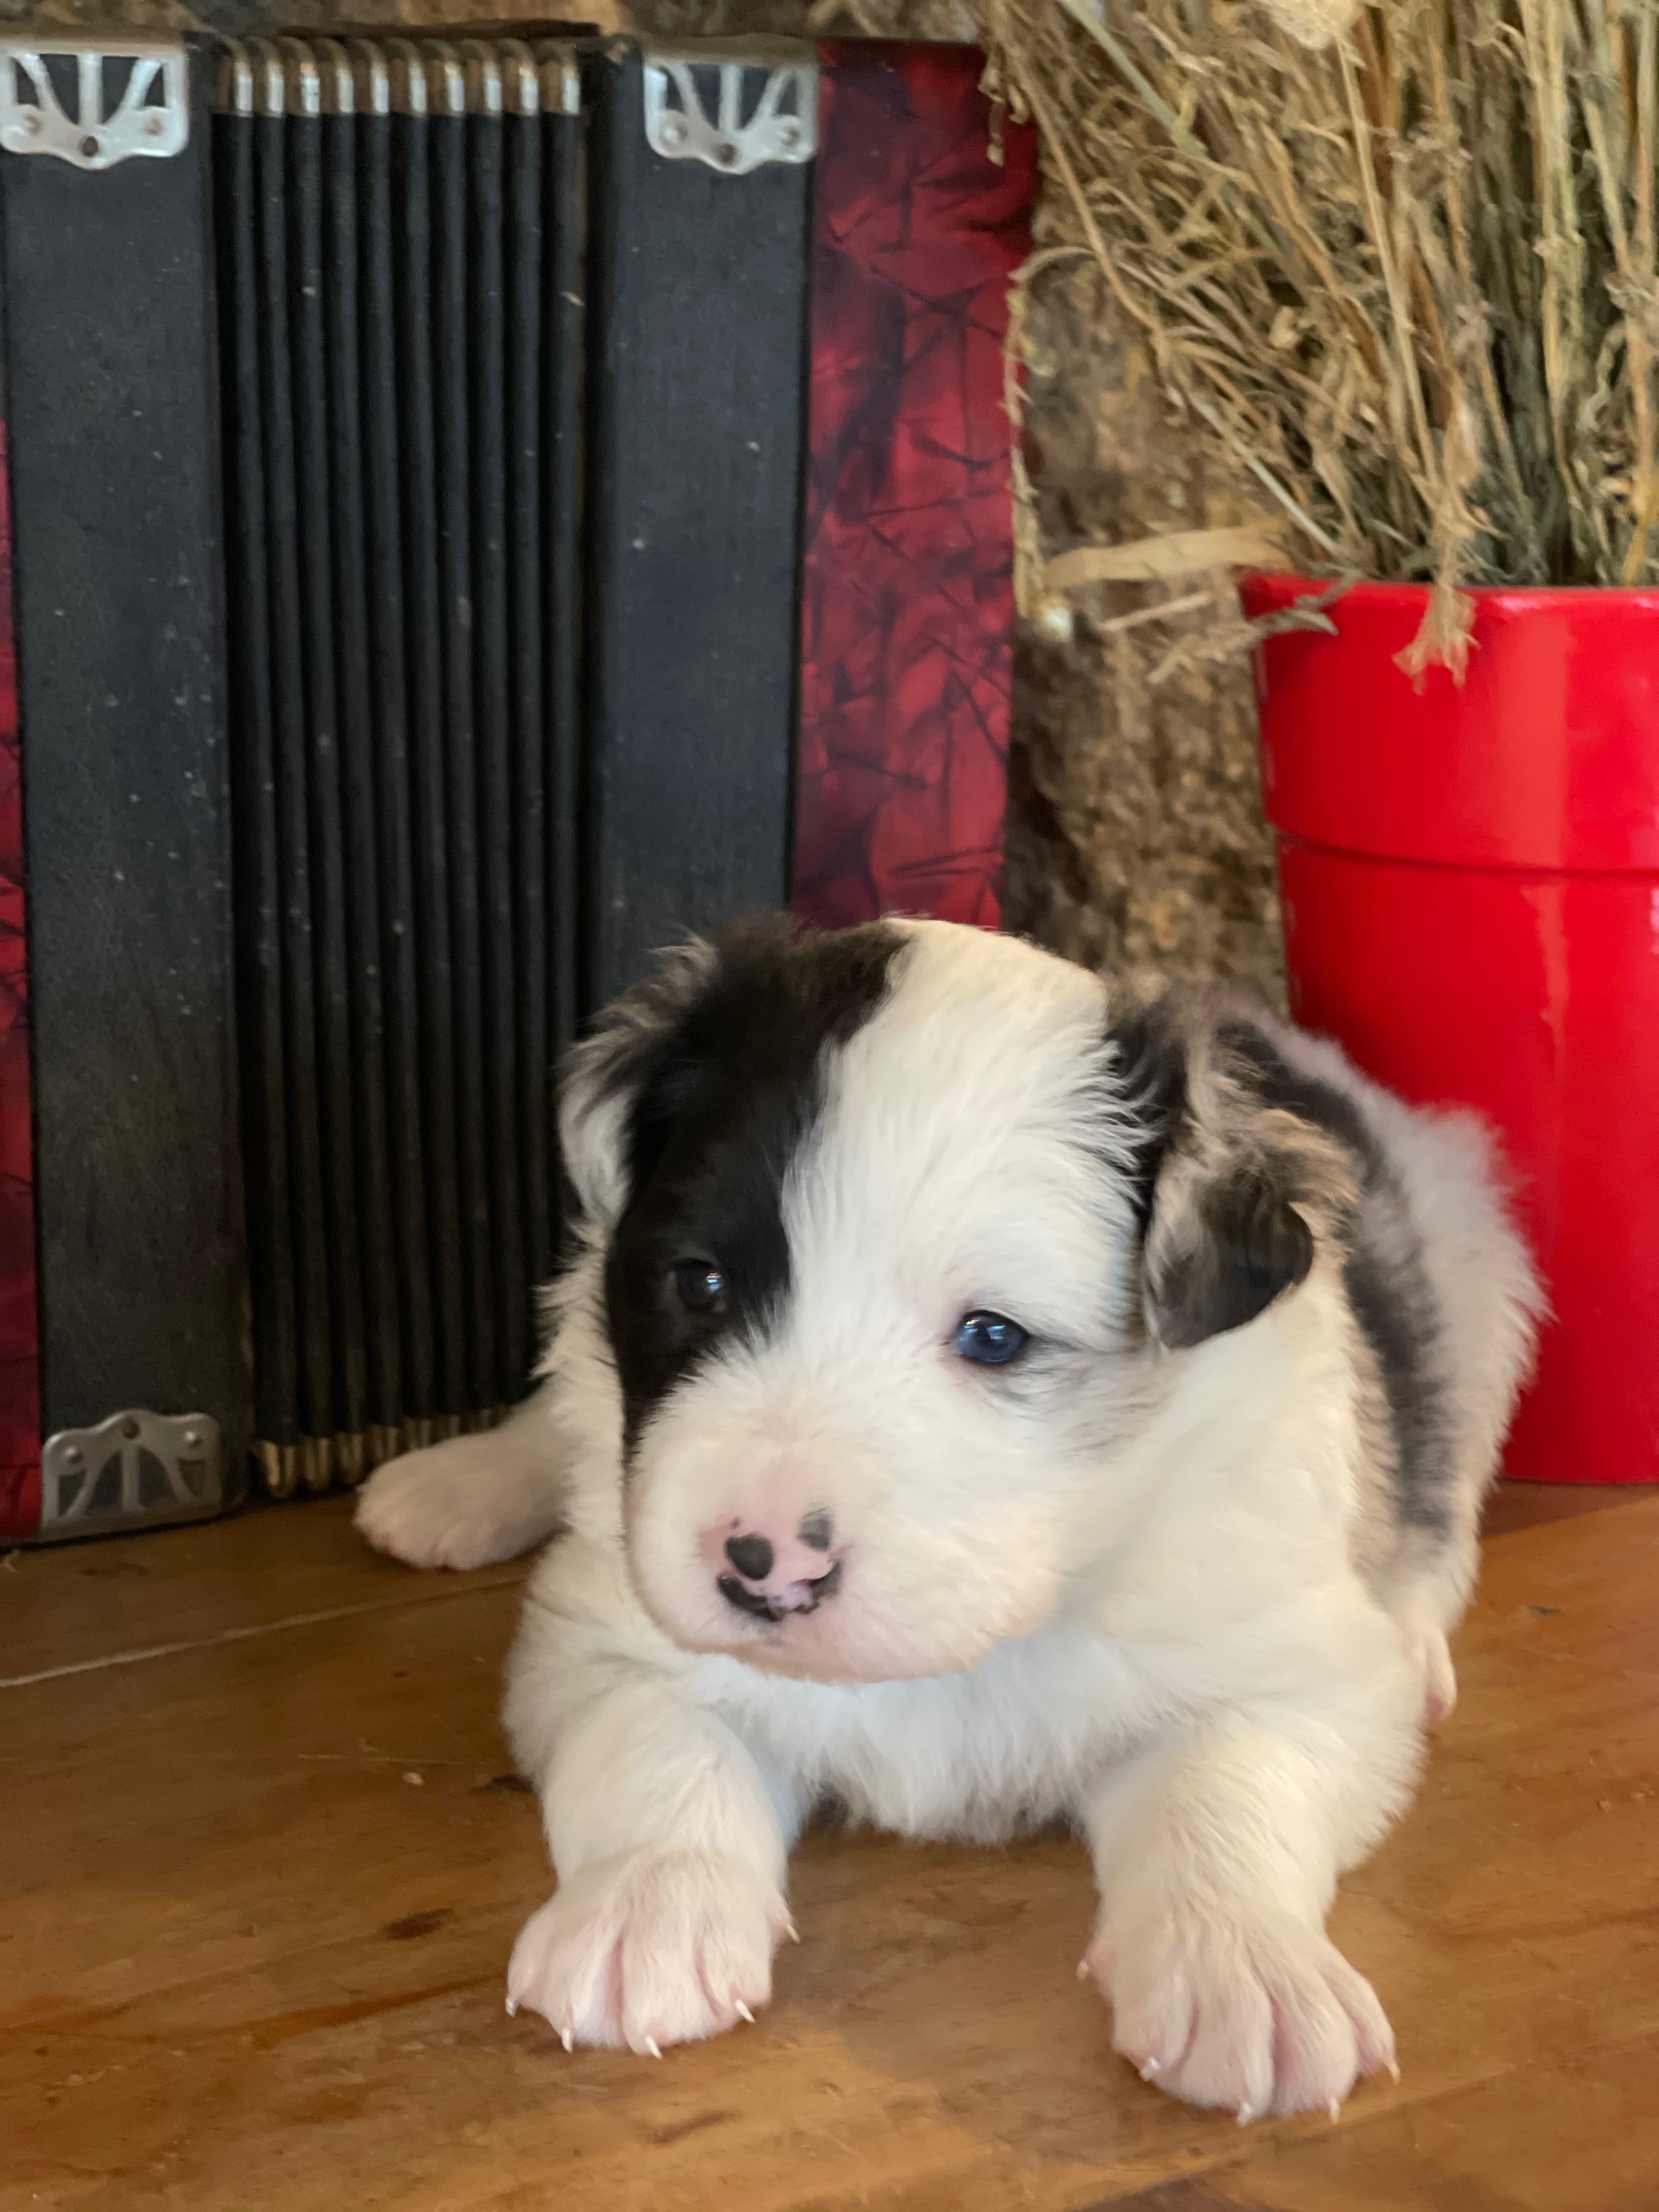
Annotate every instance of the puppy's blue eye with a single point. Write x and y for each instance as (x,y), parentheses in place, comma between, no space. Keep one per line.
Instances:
(700,1286)
(989,1339)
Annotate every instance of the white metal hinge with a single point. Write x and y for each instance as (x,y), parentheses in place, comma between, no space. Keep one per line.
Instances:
(132,1471)
(129,100)
(735,113)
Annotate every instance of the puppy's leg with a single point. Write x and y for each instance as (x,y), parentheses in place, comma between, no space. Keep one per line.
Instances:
(1216,1860)
(472,1501)
(1425,1602)
(668,1844)
(1428,1590)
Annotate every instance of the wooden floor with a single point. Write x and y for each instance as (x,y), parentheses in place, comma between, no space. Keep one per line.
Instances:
(260,1867)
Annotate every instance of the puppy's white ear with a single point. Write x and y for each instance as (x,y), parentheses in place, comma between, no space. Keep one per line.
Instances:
(631,1043)
(1227,1188)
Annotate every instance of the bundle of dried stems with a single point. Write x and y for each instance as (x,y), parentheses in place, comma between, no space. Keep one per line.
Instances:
(1406,279)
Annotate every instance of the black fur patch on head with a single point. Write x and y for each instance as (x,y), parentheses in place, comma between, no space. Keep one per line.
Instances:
(721,1104)
(1271,1078)
(1383,1272)
(1151,1064)
(1251,1244)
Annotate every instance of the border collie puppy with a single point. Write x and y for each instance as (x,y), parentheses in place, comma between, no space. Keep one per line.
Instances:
(979,1397)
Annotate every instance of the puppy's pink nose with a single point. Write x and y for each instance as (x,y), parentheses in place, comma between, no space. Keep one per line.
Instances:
(769,1572)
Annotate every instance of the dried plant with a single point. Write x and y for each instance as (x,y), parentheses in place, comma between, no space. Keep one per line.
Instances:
(1406,279)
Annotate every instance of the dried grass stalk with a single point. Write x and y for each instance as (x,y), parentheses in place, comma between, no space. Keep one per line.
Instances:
(1406,280)
(1172,553)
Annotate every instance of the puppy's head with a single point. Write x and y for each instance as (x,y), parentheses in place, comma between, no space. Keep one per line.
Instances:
(896,1232)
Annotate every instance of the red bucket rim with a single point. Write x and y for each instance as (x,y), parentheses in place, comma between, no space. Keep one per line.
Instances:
(1286,584)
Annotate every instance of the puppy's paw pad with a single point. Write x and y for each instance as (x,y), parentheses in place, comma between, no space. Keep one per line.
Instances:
(1252,2016)
(657,1948)
(454,1506)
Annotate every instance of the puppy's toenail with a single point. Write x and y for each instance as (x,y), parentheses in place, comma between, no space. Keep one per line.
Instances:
(1335,2108)
(743,2013)
(1083,1970)
(1152,2066)
(566,2039)
(512,2006)
(651,2048)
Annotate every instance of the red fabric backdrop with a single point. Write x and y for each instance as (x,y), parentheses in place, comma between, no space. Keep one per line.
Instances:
(908,615)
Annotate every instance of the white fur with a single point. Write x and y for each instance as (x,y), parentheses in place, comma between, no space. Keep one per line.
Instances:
(1141,1592)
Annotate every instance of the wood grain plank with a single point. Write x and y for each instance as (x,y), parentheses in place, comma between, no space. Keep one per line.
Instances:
(83,1604)
(244,1961)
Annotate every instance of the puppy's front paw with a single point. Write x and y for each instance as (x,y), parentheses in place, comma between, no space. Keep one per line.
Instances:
(655,1949)
(1255,2014)
(469,1503)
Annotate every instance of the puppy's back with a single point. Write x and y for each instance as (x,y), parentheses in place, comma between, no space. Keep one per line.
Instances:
(1443,1284)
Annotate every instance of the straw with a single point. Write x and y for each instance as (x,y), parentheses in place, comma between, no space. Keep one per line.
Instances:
(1399,267)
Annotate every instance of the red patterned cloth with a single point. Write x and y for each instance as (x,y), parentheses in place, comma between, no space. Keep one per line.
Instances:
(20,1368)
(907,614)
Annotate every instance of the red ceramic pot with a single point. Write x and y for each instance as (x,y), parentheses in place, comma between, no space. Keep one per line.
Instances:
(1471,892)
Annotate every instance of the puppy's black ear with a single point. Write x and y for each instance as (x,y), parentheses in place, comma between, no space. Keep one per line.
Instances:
(630,1051)
(1222,1258)
(1215,1195)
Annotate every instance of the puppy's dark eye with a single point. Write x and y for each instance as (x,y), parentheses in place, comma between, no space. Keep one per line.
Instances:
(989,1339)
(700,1286)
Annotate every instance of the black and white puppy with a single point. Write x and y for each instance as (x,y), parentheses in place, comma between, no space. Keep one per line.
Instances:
(979,1398)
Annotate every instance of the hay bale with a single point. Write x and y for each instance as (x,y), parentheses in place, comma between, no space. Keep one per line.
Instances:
(1135,829)
(1408,280)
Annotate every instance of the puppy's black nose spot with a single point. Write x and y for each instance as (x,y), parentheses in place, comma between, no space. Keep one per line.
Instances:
(817,1529)
(751,1556)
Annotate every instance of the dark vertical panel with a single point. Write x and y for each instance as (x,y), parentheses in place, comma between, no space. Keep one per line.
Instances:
(259,904)
(562,354)
(335,1106)
(20,1309)
(696,408)
(113,434)
(440,1037)
(505,1365)
(343,285)
(523,249)
(386,646)
(283,617)
(406,364)
(457,625)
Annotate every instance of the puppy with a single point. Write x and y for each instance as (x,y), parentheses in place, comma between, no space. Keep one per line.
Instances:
(979,1397)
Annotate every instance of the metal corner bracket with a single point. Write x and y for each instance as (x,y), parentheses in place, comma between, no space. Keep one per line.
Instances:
(752,124)
(132,98)
(135,1470)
